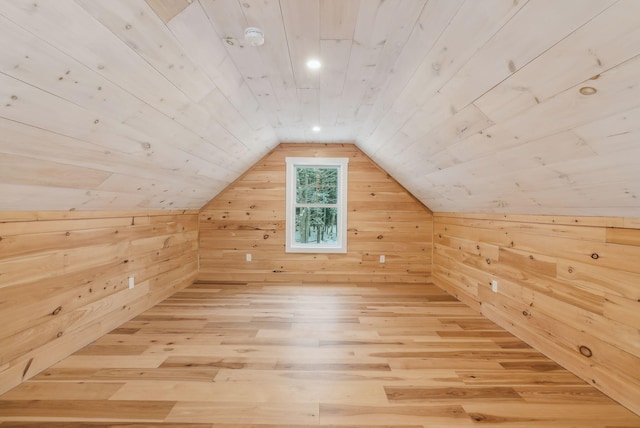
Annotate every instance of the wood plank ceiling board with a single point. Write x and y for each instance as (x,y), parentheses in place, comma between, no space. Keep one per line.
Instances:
(422,159)
(179,139)
(335,54)
(302,29)
(64,24)
(228,20)
(135,24)
(492,106)
(392,25)
(167,9)
(472,26)
(199,40)
(500,57)
(267,15)
(602,43)
(434,18)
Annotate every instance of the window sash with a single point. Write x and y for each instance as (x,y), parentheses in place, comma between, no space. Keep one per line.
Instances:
(317,205)
(292,165)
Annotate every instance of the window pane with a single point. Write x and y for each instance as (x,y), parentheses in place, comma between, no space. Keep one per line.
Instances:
(316,185)
(316,225)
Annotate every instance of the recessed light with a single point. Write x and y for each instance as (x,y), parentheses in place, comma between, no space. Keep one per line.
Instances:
(314,64)
(316,129)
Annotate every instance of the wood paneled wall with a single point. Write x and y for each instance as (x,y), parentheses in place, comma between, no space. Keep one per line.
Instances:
(249,217)
(64,278)
(568,286)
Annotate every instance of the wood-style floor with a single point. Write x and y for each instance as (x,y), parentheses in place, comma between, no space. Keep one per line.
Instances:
(326,355)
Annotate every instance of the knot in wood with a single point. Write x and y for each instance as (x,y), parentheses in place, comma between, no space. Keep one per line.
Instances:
(67,234)
(585,351)
(588,90)
(380,237)
(59,334)
(26,368)
(478,417)
(265,236)
(570,270)
(56,311)
(488,261)
(595,256)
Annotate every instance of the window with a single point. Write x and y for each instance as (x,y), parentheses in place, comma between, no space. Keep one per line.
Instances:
(316,205)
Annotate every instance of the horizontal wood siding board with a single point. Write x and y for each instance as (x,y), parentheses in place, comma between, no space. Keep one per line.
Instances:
(64,278)
(249,217)
(24,216)
(567,286)
(542,219)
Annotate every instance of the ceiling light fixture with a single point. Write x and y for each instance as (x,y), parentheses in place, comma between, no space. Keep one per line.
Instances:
(254,36)
(314,64)
(316,128)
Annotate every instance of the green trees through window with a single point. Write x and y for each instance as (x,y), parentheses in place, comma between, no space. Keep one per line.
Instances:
(316,205)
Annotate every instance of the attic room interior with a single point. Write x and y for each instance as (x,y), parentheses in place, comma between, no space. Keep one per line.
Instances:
(327,213)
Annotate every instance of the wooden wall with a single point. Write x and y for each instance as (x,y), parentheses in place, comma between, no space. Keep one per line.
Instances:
(568,286)
(249,217)
(64,278)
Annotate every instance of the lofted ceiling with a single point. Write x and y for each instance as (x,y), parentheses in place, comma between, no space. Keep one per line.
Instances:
(507,106)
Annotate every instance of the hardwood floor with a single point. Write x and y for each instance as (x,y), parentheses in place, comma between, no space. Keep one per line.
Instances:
(255,355)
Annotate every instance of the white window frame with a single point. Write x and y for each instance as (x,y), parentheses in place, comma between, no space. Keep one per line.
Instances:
(342,165)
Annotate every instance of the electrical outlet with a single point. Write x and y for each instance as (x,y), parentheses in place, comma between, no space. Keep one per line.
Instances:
(132,282)
(494,286)
(248,257)
(382,258)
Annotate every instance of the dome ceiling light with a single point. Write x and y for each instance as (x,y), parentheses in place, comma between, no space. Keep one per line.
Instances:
(254,36)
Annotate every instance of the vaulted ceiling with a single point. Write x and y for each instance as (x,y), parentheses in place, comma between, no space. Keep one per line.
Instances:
(507,106)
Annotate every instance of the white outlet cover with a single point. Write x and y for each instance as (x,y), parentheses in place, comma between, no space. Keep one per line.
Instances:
(494,286)
(382,258)
(248,257)
(132,282)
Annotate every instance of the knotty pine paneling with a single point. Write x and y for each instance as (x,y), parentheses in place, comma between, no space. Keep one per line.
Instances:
(568,286)
(249,217)
(64,278)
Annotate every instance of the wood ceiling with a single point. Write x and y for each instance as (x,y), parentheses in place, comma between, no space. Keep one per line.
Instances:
(506,106)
